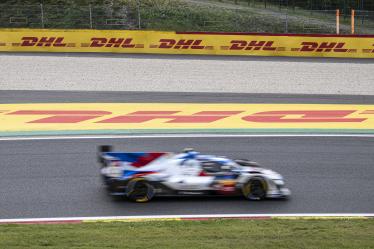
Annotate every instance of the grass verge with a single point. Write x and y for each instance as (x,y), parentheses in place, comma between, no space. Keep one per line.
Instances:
(177,15)
(220,233)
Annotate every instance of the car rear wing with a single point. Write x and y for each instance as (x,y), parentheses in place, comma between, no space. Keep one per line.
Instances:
(101,150)
(105,155)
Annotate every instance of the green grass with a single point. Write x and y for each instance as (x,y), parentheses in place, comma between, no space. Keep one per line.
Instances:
(357,234)
(185,16)
(256,18)
(181,15)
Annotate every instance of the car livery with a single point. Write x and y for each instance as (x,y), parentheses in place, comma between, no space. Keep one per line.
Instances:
(140,176)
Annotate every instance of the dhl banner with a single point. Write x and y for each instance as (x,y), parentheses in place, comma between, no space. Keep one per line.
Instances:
(159,42)
(143,117)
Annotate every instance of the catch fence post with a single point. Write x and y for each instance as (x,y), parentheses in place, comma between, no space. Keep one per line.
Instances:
(138,10)
(337,21)
(353,21)
(286,28)
(287,8)
(362,12)
(42,14)
(90,7)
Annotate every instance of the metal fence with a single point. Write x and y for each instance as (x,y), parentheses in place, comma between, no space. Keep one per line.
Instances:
(364,22)
(274,19)
(65,16)
(308,4)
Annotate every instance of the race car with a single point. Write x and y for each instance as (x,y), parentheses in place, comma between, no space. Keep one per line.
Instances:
(140,176)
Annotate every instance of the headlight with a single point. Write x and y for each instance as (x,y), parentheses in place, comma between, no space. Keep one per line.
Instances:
(279,182)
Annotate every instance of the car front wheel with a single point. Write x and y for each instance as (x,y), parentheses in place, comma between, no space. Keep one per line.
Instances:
(255,189)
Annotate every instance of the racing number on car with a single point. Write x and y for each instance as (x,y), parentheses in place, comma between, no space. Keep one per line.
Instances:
(303,116)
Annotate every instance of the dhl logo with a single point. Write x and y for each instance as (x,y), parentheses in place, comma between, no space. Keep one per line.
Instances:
(180,44)
(215,43)
(255,45)
(201,117)
(163,43)
(323,47)
(194,44)
(98,42)
(43,42)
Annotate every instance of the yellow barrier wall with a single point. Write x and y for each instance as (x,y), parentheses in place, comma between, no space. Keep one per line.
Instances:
(126,41)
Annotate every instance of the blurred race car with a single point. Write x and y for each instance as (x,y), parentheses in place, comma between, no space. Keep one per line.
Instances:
(142,175)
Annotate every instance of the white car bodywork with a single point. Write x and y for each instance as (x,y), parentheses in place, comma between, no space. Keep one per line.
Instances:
(184,173)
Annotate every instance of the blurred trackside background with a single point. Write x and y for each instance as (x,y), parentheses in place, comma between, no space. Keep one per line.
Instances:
(249,75)
(271,16)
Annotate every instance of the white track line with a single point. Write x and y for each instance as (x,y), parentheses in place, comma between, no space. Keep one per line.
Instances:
(179,136)
(151,217)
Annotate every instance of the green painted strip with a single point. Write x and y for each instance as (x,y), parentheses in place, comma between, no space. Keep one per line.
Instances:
(187,131)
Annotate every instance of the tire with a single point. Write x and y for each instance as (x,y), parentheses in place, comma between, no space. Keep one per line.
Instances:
(255,189)
(139,190)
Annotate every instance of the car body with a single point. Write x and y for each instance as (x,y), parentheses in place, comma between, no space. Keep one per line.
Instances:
(142,175)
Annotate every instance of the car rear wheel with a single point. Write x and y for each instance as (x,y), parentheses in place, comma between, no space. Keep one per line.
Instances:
(255,189)
(139,190)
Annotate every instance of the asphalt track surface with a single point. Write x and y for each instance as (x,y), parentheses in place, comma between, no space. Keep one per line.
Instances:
(60,178)
(17,97)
